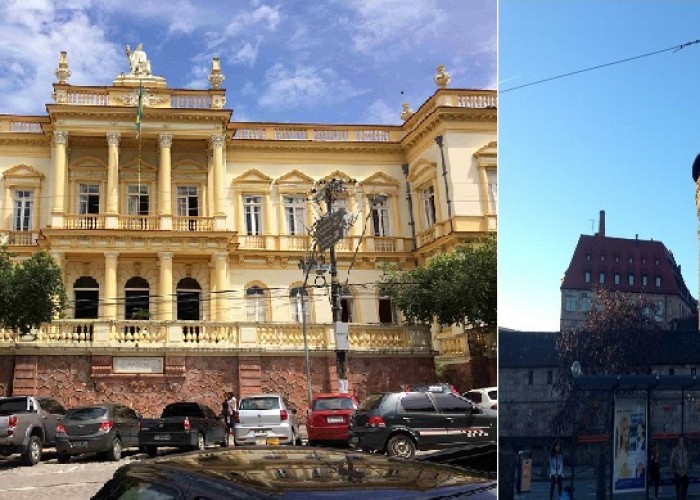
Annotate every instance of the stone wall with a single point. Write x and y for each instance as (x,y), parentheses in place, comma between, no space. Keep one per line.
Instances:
(78,380)
(7,364)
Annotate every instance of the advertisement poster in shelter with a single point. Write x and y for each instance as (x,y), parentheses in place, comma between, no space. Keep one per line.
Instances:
(630,444)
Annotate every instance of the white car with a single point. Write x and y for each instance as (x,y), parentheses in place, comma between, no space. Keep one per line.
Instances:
(266,419)
(485,398)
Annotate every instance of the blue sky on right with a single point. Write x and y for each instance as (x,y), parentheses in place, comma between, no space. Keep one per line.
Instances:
(620,139)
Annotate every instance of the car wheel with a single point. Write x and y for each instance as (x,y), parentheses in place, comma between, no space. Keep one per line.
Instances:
(312,442)
(298,441)
(114,453)
(63,458)
(151,450)
(201,443)
(32,454)
(401,446)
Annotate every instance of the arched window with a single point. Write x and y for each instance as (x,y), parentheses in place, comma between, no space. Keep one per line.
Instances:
(296,295)
(347,305)
(87,298)
(137,304)
(188,300)
(256,309)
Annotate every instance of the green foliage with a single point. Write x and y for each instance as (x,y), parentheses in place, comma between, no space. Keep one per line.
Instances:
(457,287)
(616,338)
(141,314)
(31,291)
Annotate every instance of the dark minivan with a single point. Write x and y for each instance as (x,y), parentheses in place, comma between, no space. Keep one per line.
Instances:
(398,423)
(106,429)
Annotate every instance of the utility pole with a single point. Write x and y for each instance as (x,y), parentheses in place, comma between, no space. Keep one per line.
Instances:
(328,193)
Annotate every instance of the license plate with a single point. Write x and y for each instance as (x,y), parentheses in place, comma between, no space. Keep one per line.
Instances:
(79,444)
(161,437)
(260,441)
(335,420)
(261,431)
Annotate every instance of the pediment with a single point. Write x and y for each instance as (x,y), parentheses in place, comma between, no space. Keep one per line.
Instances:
(295,177)
(422,169)
(491,149)
(380,179)
(187,166)
(89,162)
(253,176)
(134,166)
(22,170)
(338,175)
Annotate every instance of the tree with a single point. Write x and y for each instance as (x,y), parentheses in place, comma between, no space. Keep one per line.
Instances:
(452,288)
(31,291)
(616,338)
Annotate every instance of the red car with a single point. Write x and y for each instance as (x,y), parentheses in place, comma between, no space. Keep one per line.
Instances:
(329,417)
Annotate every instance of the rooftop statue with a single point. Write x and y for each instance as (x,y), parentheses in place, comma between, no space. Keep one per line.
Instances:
(140,66)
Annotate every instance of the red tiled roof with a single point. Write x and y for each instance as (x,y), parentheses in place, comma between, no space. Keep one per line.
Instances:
(611,256)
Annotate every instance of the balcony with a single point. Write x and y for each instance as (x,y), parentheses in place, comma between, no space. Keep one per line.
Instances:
(183,335)
(19,238)
(381,244)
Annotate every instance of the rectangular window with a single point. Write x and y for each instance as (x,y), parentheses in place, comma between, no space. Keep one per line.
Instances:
(630,279)
(671,371)
(388,314)
(617,278)
(137,199)
(587,276)
(570,303)
(252,207)
(586,303)
(89,199)
(428,202)
(295,214)
(492,188)
(644,280)
(187,201)
(381,224)
(601,278)
(660,310)
(22,217)
(658,281)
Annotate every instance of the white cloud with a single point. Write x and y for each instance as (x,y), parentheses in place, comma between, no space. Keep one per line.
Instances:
(33,35)
(246,54)
(382,22)
(379,112)
(303,86)
(264,17)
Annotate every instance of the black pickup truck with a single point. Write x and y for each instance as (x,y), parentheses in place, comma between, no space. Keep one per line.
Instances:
(184,425)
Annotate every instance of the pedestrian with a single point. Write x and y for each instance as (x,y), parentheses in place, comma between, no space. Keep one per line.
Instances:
(679,466)
(655,469)
(556,468)
(231,408)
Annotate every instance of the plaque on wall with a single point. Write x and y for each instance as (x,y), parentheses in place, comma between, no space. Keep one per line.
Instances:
(134,364)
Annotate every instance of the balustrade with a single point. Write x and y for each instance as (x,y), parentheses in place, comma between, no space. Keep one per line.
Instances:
(25,127)
(84,221)
(191,101)
(193,224)
(87,97)
(139,223)
(137,332)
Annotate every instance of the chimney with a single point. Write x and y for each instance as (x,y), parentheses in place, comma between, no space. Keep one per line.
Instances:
(601,224)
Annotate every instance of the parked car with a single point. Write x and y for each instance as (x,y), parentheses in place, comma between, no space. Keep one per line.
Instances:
(266,419)
(28,425)
(329,416)
(293,472)
(106,429)
(185,425)
(398,423)
(437,387)
(486,398)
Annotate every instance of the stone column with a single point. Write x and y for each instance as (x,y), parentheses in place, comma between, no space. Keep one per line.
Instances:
(165,286)
(220,261)
(60,141)
(217,144)
(113,139)
(165,210)
(110,299)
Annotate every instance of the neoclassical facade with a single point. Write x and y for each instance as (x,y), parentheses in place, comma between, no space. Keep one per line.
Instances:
(180,242)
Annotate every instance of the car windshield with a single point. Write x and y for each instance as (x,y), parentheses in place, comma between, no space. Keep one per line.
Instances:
(493,394)
(86,413)
(371,402)
(333,404)
(19,405)
(260,404)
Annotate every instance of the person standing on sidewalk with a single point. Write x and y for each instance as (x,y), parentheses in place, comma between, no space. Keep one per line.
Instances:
(556,468)
(232,408)
(655,469)
(679,466)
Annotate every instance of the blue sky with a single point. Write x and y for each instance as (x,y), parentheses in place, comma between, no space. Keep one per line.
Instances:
(620,139)
(339,61)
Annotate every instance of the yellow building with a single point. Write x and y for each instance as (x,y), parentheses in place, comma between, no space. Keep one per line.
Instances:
(180,248)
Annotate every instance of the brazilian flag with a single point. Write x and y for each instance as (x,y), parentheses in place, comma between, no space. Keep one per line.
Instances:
(139,112)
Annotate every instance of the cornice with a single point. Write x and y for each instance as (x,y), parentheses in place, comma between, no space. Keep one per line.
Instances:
(18,139)
(318,146)
(448,114)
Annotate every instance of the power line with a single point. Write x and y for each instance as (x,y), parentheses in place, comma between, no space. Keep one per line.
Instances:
(675,48)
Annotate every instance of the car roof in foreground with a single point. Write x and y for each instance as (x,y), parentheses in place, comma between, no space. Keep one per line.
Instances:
(296,472)
(327,395)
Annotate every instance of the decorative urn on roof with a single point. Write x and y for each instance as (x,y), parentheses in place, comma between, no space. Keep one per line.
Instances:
(406,112)
(442,78)
(62,72)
